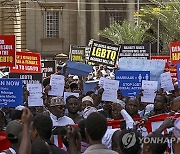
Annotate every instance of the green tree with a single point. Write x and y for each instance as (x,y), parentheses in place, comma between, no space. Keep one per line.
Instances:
(125,33)
(168,14)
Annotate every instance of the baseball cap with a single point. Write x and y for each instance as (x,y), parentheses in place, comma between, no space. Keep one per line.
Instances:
(13,129)
(177,128)
(87,98)
(57,101)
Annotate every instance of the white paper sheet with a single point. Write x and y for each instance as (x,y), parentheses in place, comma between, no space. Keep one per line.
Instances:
(166,81)
(35,94)
(57,85)
(110,89)
(149,87)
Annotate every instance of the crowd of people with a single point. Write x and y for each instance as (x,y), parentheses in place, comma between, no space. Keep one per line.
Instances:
(83,124)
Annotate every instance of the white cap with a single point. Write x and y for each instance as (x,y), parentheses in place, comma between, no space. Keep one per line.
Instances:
(20,108)
(87,98)
(122,103)
(75,77)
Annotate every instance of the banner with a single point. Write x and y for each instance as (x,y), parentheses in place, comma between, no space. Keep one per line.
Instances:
(130,82)
(104,53)
(156,67)
(77,53)
(48,67)
(11,92)
(27,62)
(138,51)
(27,78)
(175,52)
(7,50)
(169,67)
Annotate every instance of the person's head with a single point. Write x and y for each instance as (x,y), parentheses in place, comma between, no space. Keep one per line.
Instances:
(96,126)
(107,105)
(158,147)
(13,131)
(132,106)
(75,79)
(40,147)
(73,104)
(87,101)
(119,95)
(159,103)
(100,67)
(175,104)
(129,142)
(81,126)
(73,86)
(41,127)
(2,120)
(105,67)
(115,141)
(116,108)
(57,106)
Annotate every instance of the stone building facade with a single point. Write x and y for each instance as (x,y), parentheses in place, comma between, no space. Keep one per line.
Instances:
(51,26)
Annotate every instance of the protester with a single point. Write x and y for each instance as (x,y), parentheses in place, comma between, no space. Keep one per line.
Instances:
(73,106)
(42,129)
(57,109)
(13,130)
(96,126)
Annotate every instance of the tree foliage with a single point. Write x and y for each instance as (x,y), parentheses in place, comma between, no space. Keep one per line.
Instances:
(125,33)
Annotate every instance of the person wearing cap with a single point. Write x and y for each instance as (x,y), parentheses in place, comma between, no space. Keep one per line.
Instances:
(75,79)
(13,130)
(87,101)
(57,109)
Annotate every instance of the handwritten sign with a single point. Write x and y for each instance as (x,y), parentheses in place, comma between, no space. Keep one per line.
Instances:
(130,82)
(149,87)
(7,50)
(57,85)
(110,89)
(166,81)
(27,62)
(35,95)
(11,92)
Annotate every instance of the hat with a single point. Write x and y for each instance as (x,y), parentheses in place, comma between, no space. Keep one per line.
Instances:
(20,108)
(87,98)
(88,110)
(122,103)
(177,128)
(13,129)
(56,101)
(75,77)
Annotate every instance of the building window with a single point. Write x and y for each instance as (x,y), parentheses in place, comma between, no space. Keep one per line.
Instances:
(116,17)
(52,24)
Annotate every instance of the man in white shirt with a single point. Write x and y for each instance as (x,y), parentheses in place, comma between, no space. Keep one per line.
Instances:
(57,109)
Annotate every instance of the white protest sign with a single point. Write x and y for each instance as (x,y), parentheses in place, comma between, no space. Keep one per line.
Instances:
(67,94)
(57,85)
(110,89)
(35,94)
(166,81)
(149,87)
